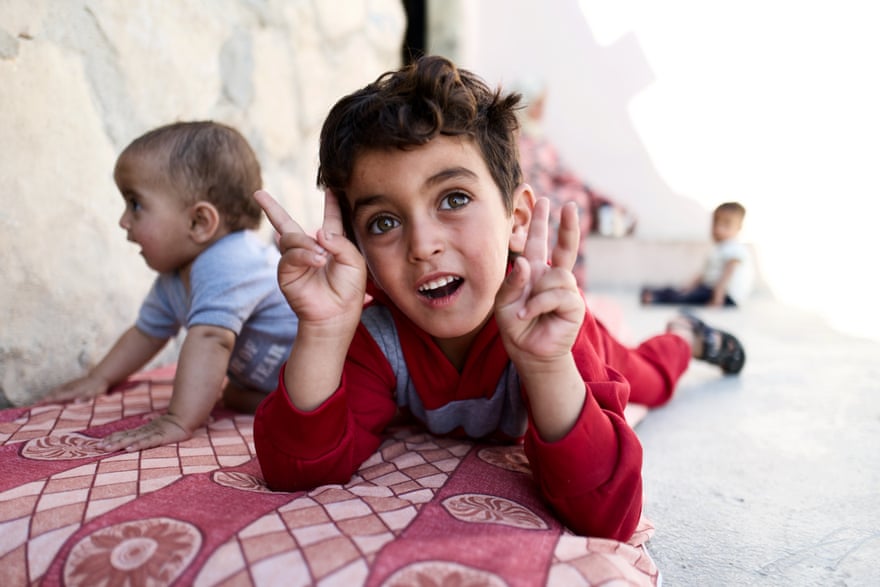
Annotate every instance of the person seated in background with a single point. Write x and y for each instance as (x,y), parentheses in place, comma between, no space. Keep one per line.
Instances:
(188,191)
(728,275)
(544,169)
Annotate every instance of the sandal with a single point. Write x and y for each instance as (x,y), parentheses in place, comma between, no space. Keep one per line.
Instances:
(719,347)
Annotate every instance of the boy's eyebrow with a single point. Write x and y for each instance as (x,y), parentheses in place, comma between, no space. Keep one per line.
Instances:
(439,177)
(362,202)
(451,173)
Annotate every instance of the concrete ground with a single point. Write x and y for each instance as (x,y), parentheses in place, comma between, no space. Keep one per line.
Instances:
(772,477)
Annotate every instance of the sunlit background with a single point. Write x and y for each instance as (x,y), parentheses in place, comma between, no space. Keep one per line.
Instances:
(773,103)
(793,93)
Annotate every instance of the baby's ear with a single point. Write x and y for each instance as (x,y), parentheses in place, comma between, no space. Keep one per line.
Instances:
(523,206)
(204,221)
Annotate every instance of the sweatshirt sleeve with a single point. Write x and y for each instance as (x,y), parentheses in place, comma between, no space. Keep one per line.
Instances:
(301,450)
(592,477)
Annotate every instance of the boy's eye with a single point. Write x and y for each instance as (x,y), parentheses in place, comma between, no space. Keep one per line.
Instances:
(134,205)
(455,200)
(382,224)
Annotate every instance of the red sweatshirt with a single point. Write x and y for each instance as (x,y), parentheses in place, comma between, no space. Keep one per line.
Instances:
(591,477)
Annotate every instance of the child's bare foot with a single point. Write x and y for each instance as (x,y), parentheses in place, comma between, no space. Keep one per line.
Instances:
(646,296)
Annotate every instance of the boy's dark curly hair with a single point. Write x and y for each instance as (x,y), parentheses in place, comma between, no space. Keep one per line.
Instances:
(409,107)
(205,160)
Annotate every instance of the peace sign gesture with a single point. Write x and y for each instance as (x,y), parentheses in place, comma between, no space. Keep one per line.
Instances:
(323,278)
(539,308)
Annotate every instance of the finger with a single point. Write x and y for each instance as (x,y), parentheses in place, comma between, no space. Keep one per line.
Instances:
(569,238)
(130,440)
(297,240)
(113,442)
(551,301)
(513,288)
(332,215)
(143,442)
(64,396)
(276,214)
(163,430)
(120,438)
(555,291)
(536,241)
(303,258)
(332,237)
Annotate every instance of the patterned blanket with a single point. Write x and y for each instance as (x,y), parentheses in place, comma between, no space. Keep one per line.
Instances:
(423,510)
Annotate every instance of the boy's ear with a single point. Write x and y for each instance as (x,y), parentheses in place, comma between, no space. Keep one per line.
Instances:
(204,221)
(523,208)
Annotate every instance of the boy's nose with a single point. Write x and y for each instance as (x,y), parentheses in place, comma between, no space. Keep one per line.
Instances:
(124,221)
(424,241)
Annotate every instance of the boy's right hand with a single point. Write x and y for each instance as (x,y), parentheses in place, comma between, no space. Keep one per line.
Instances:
(84,388)
(323,278)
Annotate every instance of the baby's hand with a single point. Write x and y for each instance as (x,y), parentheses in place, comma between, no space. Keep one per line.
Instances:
(539,308)
(165,429)
(323,278)
(82,389)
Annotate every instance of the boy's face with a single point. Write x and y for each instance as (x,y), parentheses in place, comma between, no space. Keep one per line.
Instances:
(155,217)
(434,231)
(725,225)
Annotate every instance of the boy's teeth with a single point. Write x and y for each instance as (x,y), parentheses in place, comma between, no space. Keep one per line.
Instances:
(437,283)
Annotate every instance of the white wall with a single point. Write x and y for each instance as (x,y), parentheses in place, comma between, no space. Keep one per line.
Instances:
(79,79)
(675,106)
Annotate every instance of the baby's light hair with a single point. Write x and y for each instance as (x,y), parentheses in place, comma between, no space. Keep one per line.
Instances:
(208,161)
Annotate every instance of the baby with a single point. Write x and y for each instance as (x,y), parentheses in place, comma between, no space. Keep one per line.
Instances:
(188,192)
(728,275)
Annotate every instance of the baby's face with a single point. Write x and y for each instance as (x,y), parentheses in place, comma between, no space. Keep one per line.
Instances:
(434,231)
(155,217)
(725,225)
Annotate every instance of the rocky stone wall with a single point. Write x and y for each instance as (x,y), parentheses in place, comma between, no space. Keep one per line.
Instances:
(79,79)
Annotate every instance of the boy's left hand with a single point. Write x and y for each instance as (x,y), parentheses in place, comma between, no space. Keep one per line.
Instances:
(539,308)
(161,431)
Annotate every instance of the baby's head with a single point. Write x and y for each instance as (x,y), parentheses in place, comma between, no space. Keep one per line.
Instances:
(727,220)
(409,107)
(200,161)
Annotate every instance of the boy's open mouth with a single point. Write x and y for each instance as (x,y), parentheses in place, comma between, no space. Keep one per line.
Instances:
(440,288)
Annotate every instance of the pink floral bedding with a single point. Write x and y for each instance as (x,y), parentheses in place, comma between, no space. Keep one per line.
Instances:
(422,511)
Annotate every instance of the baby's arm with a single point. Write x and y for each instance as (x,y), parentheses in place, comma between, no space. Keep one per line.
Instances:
(719,292)
(201,369)
(539,310)
(324,280)
(130,352)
